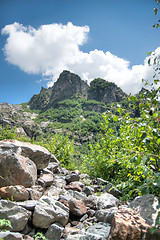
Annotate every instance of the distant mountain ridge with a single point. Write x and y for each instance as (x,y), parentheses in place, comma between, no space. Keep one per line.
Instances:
(69,85)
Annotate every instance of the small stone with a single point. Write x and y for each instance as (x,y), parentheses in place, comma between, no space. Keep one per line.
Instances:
(73,187)
(88,190)
(54,232)
(106,215)
(46,180)
(72,177)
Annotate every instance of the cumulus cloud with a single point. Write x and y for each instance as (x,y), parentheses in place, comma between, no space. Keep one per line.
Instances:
(53,48)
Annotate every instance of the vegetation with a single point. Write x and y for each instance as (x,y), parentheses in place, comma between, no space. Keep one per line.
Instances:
(40,236)
(129,157)
(7,133)
(5,225)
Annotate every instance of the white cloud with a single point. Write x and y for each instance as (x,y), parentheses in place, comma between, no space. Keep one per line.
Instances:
(55,47)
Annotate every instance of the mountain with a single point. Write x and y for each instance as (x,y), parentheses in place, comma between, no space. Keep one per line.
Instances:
(70,85)
(70,105)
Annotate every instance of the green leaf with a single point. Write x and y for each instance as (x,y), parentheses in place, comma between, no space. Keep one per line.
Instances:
(155,11)
(143,136)
(158,141)
(153,230)
(149,61)
(156,81)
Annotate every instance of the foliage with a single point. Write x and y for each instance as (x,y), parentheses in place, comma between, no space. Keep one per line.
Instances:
(61,146)
(100,83)
(40,236)
(73,115)
(7,133)
(156,10)
(5,225)
(130,158)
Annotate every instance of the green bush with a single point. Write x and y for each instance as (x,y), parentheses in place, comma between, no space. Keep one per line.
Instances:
(61,146)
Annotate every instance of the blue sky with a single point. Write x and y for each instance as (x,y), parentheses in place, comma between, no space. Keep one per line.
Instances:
(93,38)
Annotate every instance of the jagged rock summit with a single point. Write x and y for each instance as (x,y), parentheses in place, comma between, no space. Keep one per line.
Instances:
(70,85)
(67,85)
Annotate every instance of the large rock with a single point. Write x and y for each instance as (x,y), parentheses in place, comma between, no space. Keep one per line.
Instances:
(106,215)
(127,224)
(48,211)
(10,236)
(77,207)
(17,215)
(107,200)
(17,193)
(15,169)
(39,155)
(147,207)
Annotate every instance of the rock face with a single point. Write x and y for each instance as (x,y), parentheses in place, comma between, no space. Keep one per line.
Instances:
(106,92)
(15,116)
(67,85)
(40,101)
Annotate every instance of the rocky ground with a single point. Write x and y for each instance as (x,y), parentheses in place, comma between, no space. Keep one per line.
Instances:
(38,195)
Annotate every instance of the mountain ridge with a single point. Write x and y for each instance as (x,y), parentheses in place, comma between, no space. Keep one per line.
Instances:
(69,85)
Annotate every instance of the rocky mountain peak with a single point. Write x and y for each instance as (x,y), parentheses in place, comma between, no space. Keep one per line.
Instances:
(104,91)
(70,84)
(67,85)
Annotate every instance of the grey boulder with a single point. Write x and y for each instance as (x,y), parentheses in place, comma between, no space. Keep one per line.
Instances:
(147,207)
(48,211)
(17,215)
